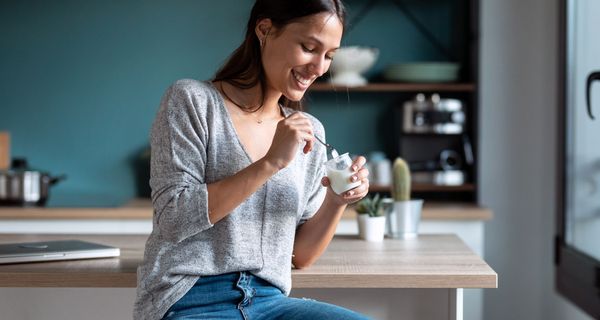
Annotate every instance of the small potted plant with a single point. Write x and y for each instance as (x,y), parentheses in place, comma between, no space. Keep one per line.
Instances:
(403,220)
(371,218)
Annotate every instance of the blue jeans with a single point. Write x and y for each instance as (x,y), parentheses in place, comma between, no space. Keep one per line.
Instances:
(241,295)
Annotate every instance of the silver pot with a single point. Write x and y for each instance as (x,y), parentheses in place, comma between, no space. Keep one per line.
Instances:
(22,186)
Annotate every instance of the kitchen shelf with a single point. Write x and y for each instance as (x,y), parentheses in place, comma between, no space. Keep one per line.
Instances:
(140,209)
(431,134)
(396,87)
(386,123)
(420,187)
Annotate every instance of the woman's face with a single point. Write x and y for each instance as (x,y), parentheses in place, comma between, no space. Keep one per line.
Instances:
(300,52)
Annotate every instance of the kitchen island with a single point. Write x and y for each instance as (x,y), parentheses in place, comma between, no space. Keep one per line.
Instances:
(432,267)
(465,220)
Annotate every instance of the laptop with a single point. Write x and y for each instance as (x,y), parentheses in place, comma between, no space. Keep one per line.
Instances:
(54,250)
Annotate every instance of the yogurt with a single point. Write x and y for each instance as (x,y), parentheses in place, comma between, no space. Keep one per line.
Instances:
(339,172)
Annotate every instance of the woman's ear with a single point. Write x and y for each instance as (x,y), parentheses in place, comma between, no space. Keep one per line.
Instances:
(263,27)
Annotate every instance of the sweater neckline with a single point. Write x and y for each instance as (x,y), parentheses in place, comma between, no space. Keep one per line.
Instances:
(229,120)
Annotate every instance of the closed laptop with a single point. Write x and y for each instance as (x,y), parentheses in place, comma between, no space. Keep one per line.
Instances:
(54,250)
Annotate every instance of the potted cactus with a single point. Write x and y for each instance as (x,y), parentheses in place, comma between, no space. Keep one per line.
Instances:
(403,220)
(371,218)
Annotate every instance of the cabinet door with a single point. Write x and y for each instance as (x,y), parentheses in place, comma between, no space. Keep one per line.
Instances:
(583,127)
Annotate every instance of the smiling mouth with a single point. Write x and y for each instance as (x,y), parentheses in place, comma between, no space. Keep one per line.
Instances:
(303,81)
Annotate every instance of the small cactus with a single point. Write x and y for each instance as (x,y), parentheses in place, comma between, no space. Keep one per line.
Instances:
(401,187)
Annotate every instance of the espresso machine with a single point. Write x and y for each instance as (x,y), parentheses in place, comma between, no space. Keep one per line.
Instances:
(434,140)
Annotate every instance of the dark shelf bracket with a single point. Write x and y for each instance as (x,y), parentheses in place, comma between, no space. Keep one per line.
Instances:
(411,18)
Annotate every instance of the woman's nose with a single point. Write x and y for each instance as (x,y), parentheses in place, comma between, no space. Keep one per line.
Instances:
(318,65)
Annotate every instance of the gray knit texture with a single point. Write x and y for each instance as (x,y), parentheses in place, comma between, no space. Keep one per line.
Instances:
(194,143)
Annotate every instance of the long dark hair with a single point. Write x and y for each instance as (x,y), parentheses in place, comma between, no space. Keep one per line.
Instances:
(244,68)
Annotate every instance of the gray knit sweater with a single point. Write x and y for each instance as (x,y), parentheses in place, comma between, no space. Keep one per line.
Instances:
(193,144)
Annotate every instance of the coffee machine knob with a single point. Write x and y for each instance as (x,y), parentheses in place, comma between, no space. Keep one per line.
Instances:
(458,117)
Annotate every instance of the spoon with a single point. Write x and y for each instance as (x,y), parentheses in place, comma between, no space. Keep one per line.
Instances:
(330,149)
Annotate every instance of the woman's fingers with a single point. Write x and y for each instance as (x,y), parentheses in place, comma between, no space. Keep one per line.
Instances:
(291,132)
(359,162)
(300,123)
(308,146)
(362,174)
(297,119)
(305,137)
(303,126)
(358,192)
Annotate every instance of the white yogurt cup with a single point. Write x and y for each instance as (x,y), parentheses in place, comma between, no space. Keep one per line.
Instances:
(339,172)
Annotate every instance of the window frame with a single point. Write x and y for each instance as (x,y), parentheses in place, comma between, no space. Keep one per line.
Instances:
(577,275)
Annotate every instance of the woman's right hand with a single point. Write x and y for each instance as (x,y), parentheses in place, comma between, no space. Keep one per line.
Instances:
(291,132)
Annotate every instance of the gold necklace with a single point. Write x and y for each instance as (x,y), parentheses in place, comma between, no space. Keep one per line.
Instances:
(262,108)
(258,118)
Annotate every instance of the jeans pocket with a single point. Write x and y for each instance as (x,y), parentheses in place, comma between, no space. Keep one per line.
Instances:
(169,315)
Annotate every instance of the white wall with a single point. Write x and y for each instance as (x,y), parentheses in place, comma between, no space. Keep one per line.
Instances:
(519,56)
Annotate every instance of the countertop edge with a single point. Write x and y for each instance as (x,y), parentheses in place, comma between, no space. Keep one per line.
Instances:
(141,209)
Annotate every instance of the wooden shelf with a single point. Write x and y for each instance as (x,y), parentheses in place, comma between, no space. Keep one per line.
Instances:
(141,209)
(427,188)
(395,87)
(441,211)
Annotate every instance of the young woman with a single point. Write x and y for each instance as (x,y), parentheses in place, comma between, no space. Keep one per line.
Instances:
(238,185)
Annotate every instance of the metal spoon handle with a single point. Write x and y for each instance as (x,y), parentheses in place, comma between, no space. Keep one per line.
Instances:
(331,152)
(321,141)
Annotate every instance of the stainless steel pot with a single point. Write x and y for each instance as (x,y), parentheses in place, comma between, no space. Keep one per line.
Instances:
(22,186)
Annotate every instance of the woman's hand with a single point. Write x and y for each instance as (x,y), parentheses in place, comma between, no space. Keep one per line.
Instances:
(291,132)
(360,174)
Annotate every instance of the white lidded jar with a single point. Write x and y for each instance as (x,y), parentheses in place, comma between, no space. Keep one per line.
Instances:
(380,168)
(339,172)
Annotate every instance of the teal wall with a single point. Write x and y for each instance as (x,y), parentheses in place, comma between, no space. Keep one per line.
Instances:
(80,81)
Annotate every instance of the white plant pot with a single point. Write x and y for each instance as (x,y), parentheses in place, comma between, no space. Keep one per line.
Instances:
(371,228)
(403,221)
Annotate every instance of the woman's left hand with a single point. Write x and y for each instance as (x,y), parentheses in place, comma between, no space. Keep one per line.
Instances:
(360,174)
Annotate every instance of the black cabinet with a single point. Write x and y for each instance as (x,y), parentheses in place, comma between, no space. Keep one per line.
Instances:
(426,151)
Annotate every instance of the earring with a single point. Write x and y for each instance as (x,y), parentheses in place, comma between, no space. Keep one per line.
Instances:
(262,42)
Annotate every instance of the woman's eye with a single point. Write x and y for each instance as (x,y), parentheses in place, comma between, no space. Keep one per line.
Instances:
(306,49)
(329,57)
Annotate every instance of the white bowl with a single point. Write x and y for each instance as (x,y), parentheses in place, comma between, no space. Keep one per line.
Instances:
(350,62)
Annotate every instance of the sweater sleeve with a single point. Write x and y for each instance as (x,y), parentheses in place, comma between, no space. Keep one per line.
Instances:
(316,191)
(177,175)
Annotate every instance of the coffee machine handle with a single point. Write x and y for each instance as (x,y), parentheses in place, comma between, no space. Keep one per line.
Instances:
(468,150)
(591,78)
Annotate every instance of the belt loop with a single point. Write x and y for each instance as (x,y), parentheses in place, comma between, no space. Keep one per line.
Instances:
(243,277)
(243,280)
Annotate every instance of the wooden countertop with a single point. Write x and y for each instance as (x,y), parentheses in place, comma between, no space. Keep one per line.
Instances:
(429,261)
(142,209)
